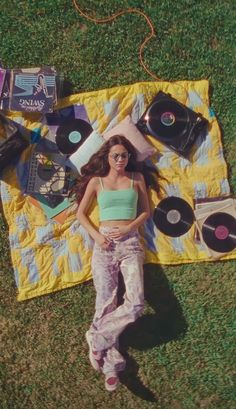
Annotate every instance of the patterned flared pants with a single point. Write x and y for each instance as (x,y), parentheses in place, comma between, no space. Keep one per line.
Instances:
(125,256)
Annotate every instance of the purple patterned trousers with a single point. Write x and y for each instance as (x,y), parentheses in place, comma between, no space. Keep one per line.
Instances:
(126,256)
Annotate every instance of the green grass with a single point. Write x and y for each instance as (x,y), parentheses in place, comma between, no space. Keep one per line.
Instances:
(180,353)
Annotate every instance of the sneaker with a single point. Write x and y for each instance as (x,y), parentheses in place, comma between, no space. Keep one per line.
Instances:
(111,382)
(95,358)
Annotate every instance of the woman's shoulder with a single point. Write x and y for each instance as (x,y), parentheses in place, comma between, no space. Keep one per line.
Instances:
(94,182)
(138,176)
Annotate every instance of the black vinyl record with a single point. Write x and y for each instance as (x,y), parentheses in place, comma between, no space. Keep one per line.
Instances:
(167,118)
(173,216)
(219,232)
(71,134)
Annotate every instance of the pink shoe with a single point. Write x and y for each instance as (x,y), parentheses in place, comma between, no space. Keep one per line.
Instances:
(95,358)
(111,381)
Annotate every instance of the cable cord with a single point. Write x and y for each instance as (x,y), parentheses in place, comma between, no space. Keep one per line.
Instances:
(118,14)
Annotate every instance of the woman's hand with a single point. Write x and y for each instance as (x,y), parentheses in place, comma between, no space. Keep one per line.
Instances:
(119,232)
(103,241)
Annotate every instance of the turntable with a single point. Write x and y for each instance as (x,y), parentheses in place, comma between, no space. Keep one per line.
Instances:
(172,123)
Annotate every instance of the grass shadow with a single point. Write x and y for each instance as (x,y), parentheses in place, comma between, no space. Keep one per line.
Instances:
(166,323)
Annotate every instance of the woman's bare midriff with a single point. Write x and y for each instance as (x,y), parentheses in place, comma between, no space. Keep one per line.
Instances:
(112,223)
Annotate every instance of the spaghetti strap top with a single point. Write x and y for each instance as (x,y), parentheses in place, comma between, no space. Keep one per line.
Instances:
(132,180)
(131,184)
(101,183)
(118,204)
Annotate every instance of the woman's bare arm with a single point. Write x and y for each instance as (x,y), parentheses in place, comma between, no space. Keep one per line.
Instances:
(143,205)
(84,205)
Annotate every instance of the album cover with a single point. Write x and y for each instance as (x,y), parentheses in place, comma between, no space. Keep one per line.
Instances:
(58,213)
(33,89)
(206,208)
(208,201)
(2,79)
(48,175)
(4,100)
(217,227)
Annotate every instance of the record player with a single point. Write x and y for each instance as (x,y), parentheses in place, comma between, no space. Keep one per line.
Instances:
(172,123)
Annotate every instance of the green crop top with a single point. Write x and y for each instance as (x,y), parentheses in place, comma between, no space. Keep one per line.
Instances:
(117,204)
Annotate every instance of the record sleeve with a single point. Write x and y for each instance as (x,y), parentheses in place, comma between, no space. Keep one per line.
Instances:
(48,175)
(2,79)
(4,100)
(61,209)
(212,201)
(220,233)
(207,208)
(33,89)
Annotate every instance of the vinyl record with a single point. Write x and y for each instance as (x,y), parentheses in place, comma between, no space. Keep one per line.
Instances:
(166,119)
(219,232)
(71,134)
(173,216)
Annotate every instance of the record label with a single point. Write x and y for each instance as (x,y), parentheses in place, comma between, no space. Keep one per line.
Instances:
(75,137)
(71,134)
(219,232)
(173,216)
(167,118)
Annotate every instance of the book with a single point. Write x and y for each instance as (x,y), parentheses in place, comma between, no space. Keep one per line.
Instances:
(33,89)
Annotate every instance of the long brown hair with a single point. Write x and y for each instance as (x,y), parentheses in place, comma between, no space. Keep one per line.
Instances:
(98,165)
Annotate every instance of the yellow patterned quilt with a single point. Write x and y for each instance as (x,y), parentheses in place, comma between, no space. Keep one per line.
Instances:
(48,256)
